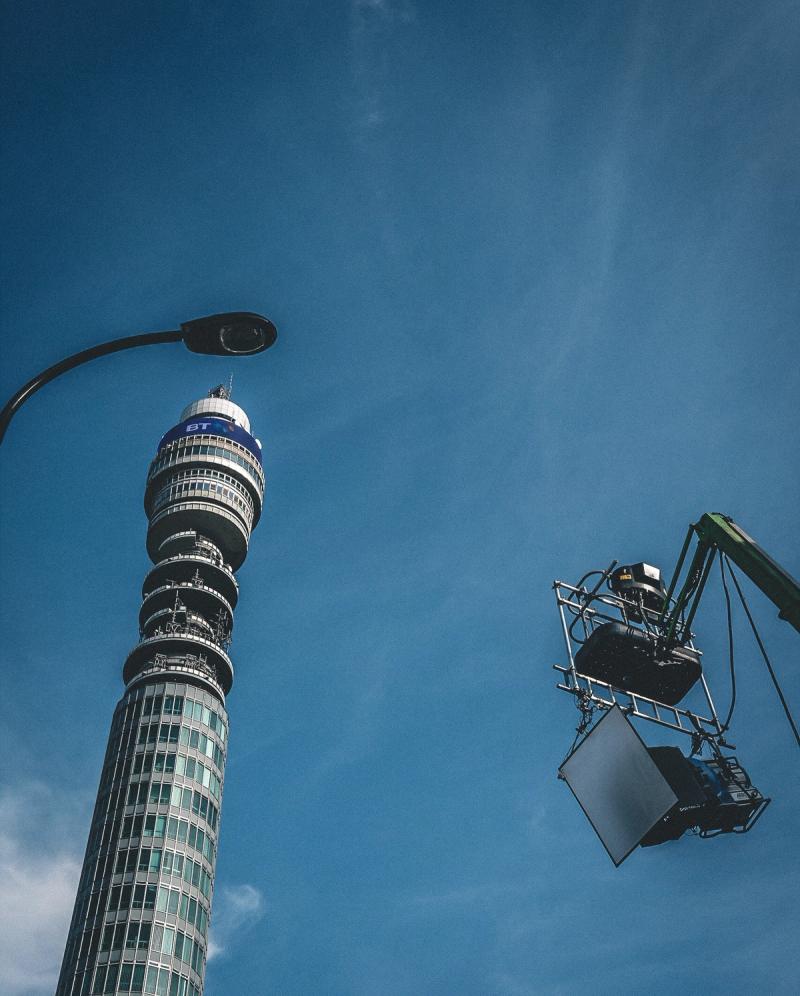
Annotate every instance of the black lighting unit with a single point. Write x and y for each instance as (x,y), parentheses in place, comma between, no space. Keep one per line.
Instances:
(714,796)
(634,795)
(636,661)
(639,583)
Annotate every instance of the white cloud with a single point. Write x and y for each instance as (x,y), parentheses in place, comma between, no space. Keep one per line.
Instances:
(39,870)
(236,908)
(371,23)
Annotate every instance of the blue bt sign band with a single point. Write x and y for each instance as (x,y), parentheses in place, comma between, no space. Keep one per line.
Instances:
(208,425)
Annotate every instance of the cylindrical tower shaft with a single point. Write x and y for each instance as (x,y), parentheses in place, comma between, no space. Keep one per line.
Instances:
(141,916)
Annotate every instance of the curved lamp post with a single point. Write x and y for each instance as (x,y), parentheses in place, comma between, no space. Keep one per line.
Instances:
(237,333)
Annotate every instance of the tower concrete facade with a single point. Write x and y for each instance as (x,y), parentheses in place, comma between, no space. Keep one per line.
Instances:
(143,906)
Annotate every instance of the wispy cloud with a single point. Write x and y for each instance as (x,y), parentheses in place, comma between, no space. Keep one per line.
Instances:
(39,870)
(236,909)
(371,22)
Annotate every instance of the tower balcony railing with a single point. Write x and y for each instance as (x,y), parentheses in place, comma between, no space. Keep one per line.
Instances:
(226,529)
(193,593)
(176,646)
(185,568)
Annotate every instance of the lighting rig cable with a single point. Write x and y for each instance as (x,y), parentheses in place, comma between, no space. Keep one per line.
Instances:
(772,674)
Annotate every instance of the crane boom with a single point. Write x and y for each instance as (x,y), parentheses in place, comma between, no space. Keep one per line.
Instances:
(716,531)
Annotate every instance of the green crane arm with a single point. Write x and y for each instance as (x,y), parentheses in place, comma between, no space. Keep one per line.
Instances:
(716,531)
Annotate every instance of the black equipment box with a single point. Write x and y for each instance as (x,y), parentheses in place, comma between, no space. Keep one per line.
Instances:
(630,659)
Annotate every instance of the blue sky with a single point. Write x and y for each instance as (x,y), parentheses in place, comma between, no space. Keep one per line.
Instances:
(534,269)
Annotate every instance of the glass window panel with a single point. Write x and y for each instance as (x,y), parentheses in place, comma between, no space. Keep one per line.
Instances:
(152,979)
(111,979)
(99,980)
(138,978)
(168,941)
(163,982)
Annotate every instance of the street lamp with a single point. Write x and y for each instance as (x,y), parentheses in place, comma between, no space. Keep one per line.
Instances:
(236,333)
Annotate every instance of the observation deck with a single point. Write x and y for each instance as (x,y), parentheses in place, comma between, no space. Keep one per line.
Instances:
(203,498)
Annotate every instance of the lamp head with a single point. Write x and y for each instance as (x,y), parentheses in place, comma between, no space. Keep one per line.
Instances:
(236,333)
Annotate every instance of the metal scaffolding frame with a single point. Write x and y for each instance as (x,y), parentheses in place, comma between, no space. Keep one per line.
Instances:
(591,608)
